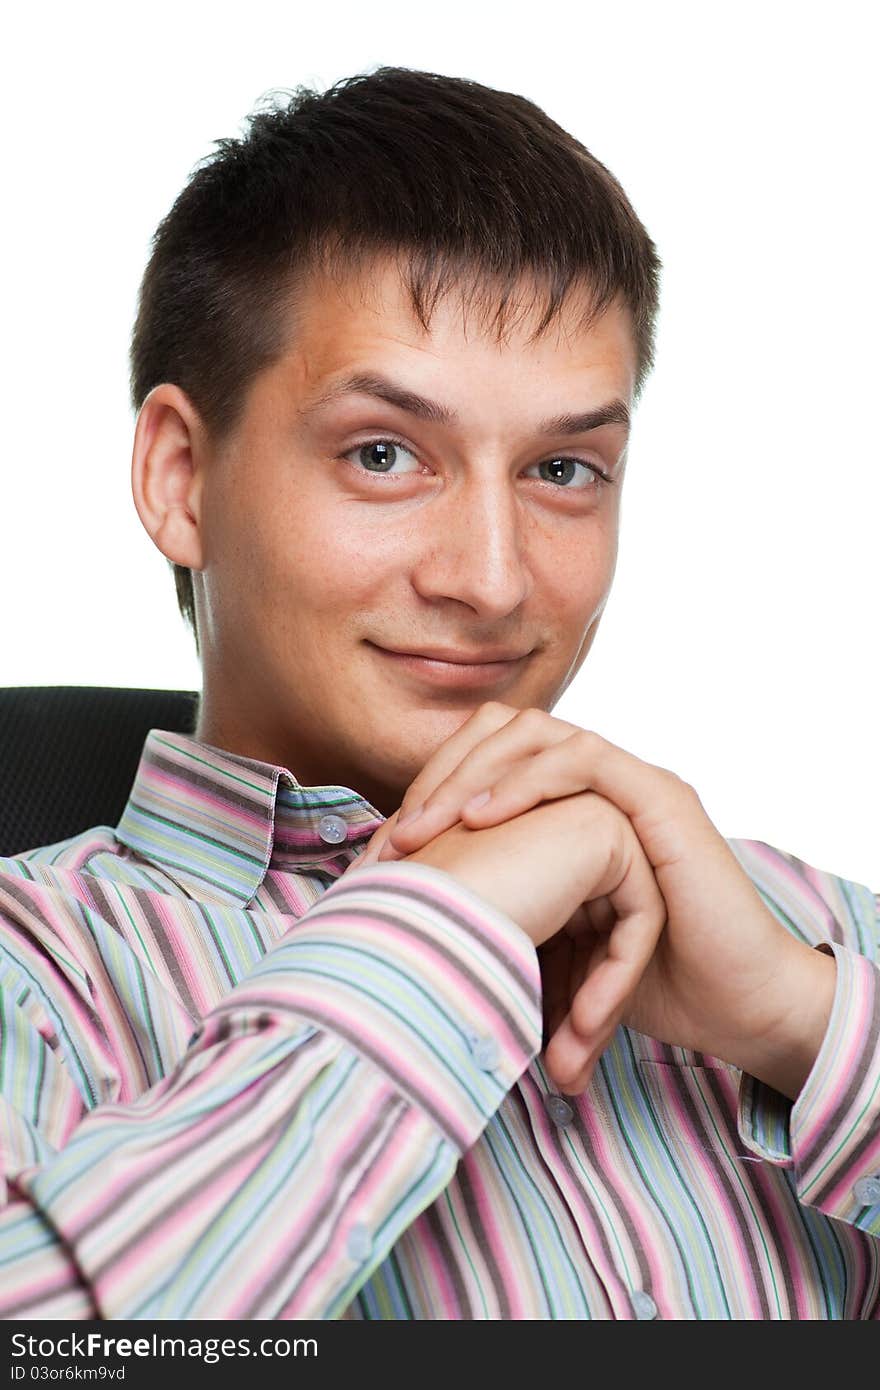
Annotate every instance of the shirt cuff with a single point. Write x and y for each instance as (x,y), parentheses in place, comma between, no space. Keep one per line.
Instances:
(417,973)
(830,1135)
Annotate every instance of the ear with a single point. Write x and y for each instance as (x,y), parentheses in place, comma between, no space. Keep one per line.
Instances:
(167,465)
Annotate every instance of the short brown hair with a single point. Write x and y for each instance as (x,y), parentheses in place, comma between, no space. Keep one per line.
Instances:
(471,185)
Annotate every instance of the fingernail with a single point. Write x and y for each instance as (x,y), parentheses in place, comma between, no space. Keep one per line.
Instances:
(477,801)
(410,817)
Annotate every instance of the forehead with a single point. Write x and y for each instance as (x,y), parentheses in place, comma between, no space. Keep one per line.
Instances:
(365,317)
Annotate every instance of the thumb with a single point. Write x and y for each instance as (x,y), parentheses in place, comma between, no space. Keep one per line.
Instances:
(374,845)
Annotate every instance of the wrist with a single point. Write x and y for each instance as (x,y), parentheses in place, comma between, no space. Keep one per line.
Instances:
(783,1053)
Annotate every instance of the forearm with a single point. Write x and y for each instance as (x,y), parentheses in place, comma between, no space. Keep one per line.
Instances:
(830,1136)
(210,1199)
(782,1054)
(319,1108)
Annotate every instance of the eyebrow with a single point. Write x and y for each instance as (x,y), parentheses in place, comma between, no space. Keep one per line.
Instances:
(381,388)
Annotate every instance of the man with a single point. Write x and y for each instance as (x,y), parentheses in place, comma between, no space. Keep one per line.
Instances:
(392,995)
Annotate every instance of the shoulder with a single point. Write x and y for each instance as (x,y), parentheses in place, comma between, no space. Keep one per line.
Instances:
(47,894)
(73,853)
(816,904)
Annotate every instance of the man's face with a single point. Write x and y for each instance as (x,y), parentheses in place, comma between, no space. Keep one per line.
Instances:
(346,524)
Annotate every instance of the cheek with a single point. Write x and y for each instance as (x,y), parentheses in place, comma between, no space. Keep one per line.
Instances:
(319,567)
(574,577)
(350,553)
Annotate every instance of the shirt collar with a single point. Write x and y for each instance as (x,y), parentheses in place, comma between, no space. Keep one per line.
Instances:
(218,820)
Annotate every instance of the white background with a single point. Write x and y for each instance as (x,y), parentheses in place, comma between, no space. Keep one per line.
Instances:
(739,645)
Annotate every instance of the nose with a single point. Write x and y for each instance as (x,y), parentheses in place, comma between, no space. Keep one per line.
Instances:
(473,551)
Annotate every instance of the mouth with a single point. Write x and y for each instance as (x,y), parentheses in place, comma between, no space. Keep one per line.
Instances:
(451,669)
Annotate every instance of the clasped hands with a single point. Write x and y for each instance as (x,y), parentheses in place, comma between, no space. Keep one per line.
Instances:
(638,908)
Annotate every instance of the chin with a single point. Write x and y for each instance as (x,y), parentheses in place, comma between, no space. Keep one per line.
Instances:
(395,757)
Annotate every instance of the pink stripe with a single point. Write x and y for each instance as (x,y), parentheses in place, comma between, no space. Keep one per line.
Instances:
(181,933)
(196,1131)
(288,886)
(509,945)
(177,1233)
(845,1045)
(692,1144)
(796,1255)
(806,895)
(435,972)
(841,1196)
(325,1199)
(438,1275)
(397,1067)
(378,1178)
(56,1277)
(579,1209)
(189,800)
(511,1274)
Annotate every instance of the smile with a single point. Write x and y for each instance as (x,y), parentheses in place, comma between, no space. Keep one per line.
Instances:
(454,670)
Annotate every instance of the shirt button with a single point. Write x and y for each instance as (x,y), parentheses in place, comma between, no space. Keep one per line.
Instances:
(332,830)
(359,1243)
(867,1191)
(643,1305)
(559,1110)
(485,1053)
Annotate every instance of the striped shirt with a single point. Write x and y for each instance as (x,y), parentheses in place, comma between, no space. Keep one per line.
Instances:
(238,1082)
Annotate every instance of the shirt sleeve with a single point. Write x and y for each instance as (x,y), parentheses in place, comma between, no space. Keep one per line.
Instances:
(318,1109)
(830,1135)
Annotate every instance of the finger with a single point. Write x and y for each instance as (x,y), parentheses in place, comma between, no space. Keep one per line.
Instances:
(517,741)
(571,1053)
(653,798)
(597,917)
(571,1070)
(548,775)
(566,959)
(601,997)
(375,844)
(572,1057)
(617,963)
(598,1006)
(484,721)
(555,961)
(614,978)
(560,984)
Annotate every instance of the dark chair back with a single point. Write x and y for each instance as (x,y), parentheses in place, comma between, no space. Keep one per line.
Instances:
(69,754)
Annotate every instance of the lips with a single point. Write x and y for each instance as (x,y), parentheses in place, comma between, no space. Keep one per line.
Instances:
(485,657)
(448,669)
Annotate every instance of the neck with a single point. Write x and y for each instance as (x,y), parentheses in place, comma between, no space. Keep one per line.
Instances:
(310,766)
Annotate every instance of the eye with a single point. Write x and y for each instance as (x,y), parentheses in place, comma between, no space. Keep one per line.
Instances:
(572,474)
(383,456)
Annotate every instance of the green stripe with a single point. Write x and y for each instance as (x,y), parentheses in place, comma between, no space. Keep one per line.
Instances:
(38,1087)
(277,1158)
(148,1019)
(199,836)
(59,1025)
(465,1251)
(542,1255)
(675,1169)
(221,771)
(843,1143)
(467,945)
(134,926)
(218,942)
(760,1225)
(426,1192)
(444,1063)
